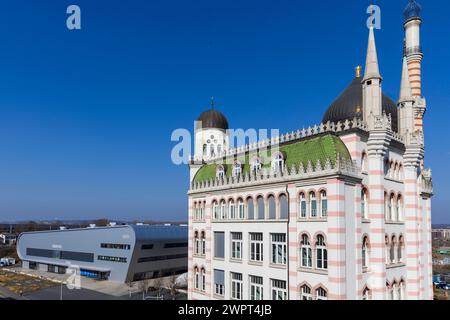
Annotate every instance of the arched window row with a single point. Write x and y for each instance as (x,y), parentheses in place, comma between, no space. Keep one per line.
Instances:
(393,170)
(199,209)
(307,293)
(313,252)
(249,208)
(313,205)
(396,290)
(199,243)
(199,278)
(395,249)
(394,207)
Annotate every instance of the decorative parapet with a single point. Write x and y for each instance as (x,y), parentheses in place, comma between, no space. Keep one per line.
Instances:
(266,176)
(340,126)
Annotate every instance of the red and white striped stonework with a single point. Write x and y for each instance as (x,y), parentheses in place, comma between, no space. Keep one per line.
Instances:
(412,237)
(190,249)
(429,252)
(377,227)
(358,240)
(336,240)
(293,242)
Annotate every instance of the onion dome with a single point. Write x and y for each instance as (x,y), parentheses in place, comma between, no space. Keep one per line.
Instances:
(349,104)
(412,10)
(212,119)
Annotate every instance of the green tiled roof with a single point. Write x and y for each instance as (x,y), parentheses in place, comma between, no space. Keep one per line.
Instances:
(319,148)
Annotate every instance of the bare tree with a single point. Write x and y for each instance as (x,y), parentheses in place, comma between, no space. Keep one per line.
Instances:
(172,286)
(158,283)
(143,285)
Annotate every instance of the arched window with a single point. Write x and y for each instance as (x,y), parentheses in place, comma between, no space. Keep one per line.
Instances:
(220,173)
(392,250)
(205,150)
(250,209)
(256,166)
(402,289)
(272,207)
(390,291)
(364,162)
(393,207)
(203,243)
(302,206)
(241,212)
(196,278)
(386,167)
(321,253)
(219,149)
(278,163)
(400,248)
(261,209)
(284,207)
(306,252)
(386,246)
(395,173)
(216,210)
(399,208)
(223,210)
(312,204)
(389,209)
(195,211)
(231,210)
(366,294)
(237,169)
(321,294)
(197,248)
(213,153)
(323,204)
(305,292)
(364,205)
(203,277)
(365,252)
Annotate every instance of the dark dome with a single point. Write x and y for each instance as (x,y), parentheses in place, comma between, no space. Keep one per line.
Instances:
(412,10)
(349,105)
(213,119)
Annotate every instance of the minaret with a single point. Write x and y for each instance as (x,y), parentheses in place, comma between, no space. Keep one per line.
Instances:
(405,103)
(372,95)
(414,56)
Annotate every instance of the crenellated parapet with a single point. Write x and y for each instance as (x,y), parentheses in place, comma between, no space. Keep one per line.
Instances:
(385,121)
(268,176)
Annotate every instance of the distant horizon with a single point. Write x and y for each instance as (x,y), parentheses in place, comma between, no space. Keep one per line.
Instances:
(87,115)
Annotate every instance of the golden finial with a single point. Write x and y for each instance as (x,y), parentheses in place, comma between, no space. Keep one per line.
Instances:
(358,71)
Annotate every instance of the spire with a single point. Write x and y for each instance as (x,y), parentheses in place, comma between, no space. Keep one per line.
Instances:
(405,87)
(212,103)
(372,70)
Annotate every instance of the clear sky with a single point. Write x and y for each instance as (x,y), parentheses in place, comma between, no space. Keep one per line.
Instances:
(86,116)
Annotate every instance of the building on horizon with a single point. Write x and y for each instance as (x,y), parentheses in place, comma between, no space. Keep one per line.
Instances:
(341,210)
(122,253)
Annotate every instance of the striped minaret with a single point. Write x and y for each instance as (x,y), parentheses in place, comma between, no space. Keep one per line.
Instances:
(413,53)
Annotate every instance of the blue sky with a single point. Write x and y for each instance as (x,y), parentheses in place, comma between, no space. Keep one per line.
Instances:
(86,116)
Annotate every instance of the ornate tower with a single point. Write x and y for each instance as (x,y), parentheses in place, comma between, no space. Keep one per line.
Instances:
(414,56)
(372,95)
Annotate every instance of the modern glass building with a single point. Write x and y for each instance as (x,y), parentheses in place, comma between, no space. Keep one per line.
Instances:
(118,253)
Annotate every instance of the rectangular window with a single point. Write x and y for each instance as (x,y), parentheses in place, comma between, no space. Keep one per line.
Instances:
(219,282)
(118,246)
(236,245)
(313,208)
(147,247)
(219,245)
(256,288)
(279,248)
(256,247)
(176,245)
(161,258)
(279,291)
(236,286)
(63,255)
(112,259)
(241,210)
